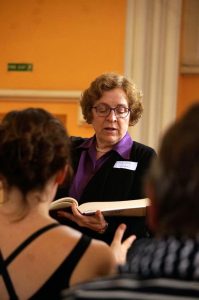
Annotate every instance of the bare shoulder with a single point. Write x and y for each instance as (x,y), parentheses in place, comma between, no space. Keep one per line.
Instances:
(98,260)
(97,251)
(102,256)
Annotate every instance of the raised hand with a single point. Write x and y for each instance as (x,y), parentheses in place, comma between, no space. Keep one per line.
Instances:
(120,248)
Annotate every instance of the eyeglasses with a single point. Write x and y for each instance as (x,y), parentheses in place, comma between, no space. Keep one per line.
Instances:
(104,110)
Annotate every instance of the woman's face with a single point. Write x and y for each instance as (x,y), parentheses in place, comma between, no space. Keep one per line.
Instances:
(110,129)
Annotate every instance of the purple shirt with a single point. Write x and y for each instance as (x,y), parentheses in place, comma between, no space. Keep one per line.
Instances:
(89,165)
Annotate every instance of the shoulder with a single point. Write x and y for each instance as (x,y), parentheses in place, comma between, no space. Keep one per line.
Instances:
(106,262)
(138,147)
(142,151)
(77,141)
(93,247)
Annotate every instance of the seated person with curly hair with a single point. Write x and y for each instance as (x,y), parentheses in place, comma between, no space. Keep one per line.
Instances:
(38,256)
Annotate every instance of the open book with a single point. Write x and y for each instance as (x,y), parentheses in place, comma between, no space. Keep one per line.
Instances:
(135,208)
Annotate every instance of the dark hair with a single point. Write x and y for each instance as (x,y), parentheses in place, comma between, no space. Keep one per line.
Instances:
(175,176)
(34,145)
(107,82)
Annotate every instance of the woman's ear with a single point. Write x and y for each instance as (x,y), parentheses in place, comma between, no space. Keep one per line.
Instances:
(152,211)
(61,175)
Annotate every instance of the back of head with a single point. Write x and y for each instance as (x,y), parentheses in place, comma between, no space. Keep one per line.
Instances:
(33,146)
(175,177)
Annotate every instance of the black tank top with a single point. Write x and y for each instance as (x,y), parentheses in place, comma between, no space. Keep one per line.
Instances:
(59,280)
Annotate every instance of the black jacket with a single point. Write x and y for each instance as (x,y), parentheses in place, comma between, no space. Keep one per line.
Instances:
(112,184)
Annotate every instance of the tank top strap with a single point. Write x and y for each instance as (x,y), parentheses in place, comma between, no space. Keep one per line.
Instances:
(77,252)
(25,243)
(7,280)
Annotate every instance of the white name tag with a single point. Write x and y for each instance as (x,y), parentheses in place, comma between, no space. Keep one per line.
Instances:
(130,165)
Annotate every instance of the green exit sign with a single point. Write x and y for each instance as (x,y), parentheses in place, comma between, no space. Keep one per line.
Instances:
(20,67)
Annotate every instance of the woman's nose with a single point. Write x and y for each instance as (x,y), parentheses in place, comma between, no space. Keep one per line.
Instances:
(112,116)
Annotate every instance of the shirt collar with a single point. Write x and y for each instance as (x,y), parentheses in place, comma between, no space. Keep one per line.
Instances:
(123,147)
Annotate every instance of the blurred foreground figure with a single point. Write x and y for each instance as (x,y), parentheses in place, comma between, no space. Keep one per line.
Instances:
(166,266)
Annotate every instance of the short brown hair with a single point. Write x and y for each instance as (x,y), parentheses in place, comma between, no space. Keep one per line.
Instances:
(107,82)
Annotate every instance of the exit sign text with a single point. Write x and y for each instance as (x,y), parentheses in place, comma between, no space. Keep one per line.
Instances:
(20,67)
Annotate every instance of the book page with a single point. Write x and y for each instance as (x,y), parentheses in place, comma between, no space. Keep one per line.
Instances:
(62,203)
(110,207)
(127,212)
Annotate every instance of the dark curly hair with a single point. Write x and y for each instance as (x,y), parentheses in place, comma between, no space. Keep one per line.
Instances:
(34,145)
(175,177)
(107,82)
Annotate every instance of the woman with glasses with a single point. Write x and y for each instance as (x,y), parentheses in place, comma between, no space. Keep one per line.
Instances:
(110,165)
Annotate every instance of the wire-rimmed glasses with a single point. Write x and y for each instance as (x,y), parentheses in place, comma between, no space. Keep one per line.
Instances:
(104,110)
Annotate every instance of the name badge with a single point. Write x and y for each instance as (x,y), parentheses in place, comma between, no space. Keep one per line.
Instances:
(129,165)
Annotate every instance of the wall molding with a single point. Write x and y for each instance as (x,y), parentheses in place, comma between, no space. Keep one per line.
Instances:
(49,95)
(152,61)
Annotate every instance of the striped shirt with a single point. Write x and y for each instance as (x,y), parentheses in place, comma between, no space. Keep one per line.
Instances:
(125,286)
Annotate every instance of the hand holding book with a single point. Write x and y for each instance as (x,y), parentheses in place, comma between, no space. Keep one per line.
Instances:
(94,221)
